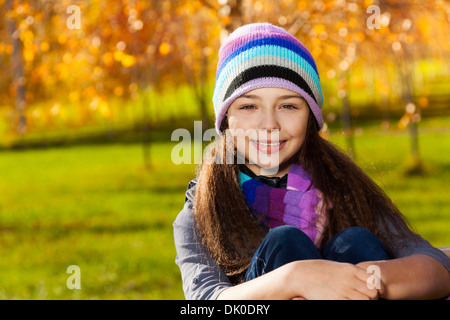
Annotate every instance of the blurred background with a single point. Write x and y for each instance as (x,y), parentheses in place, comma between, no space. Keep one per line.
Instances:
(91,91)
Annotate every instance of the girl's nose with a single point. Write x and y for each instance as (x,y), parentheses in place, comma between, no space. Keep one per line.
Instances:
(269,120)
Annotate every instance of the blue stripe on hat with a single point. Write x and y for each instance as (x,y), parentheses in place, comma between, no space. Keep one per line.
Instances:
(270,41)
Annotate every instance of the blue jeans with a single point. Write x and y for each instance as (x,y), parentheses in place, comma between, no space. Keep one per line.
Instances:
(287,244)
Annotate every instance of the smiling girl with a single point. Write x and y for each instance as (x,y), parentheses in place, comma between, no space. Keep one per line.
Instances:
(310,224)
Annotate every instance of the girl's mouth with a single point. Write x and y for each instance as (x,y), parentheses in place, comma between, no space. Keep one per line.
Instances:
(268,146)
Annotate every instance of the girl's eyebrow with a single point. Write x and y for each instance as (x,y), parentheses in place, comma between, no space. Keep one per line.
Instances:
(289,97)
(255,97)
(250,96)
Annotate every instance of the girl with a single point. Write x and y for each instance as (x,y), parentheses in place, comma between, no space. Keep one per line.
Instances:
(314,226)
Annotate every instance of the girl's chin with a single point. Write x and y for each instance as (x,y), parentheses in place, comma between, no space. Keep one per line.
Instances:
(268,166)
(260,171)
(264,160)
(264,169)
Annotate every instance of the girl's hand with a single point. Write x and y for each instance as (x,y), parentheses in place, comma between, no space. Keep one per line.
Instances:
(324,279)
(365,266)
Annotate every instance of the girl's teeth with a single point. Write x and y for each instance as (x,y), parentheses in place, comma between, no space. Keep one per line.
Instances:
(269,144)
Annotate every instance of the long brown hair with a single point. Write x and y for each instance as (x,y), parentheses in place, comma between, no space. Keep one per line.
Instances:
(230,231)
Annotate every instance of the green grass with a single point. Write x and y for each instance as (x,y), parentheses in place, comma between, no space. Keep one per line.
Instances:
(422,199)
(98,207)
(95,207)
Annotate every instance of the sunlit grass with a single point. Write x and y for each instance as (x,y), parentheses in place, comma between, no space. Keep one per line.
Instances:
(96,207)
(422,199)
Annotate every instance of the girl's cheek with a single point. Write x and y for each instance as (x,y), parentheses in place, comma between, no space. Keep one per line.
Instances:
(243,123)
(241,143)
(233,122)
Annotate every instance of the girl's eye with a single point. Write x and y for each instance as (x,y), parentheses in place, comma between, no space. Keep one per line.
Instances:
(247,107)
(289,106)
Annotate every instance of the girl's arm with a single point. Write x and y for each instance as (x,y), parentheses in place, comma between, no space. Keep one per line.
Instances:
(201,276)
(309,279)
(270,286)
(418,276)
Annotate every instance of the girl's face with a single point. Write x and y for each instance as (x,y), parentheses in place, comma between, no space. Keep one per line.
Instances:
(272,123)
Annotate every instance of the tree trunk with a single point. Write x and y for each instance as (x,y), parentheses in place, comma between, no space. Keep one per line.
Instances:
(17,66)
(146,130)
(202,94)
(408,97)
(404,65)
(346,121)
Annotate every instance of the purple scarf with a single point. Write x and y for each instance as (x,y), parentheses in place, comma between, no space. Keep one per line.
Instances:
(295,206)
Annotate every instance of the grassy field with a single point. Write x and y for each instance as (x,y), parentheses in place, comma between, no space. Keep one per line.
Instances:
(98,207)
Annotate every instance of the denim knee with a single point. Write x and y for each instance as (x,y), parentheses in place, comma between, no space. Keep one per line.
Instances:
(355,245)
(285,233)
(281,245)
(290,244)
(283,237)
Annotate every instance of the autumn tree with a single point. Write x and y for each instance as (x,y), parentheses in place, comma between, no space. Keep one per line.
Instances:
(129,48)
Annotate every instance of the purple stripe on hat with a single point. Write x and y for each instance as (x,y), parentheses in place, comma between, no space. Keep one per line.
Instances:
(252,31)
(237,44)
(275,41)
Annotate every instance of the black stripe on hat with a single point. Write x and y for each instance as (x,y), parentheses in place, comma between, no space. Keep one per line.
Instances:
(268,71)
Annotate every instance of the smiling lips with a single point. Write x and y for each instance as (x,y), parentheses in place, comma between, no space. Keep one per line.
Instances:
(269,146)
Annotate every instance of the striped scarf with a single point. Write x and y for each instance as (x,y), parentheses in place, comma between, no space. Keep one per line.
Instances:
(297,205)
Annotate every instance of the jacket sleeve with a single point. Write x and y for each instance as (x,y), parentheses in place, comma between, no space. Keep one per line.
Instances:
(202,278)
(418,245)
(422,246)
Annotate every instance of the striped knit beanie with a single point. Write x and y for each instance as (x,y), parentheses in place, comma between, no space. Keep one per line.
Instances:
(262,55)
